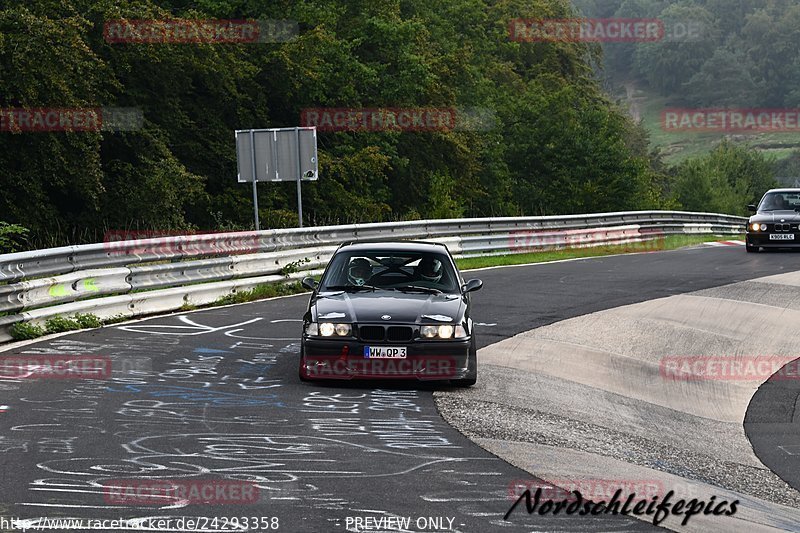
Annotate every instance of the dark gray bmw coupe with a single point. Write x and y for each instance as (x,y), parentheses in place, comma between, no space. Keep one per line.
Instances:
(391,310)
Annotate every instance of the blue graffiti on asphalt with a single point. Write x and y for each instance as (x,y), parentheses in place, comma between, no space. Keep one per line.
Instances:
(260,370)
(204,396)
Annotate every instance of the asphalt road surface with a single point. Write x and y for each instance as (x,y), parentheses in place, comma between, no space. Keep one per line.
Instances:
(214,395)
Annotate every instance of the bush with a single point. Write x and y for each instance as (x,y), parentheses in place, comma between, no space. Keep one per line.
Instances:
(57,324)
(25,330)
(88,320)
(12,237)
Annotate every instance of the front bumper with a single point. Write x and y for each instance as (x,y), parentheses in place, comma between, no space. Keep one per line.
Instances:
(432,360)
(763,240)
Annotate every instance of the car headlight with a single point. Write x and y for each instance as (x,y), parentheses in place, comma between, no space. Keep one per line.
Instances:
(428,332)
(328,329)
(445,331)
(755,226)
(763,227)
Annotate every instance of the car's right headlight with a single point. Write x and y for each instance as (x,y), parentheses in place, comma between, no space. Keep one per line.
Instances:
(328,329)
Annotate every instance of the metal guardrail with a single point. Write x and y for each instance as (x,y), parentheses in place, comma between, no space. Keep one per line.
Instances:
(156,275)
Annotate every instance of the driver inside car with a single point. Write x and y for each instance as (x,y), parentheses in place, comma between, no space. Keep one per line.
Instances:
(359,271)
(429,269)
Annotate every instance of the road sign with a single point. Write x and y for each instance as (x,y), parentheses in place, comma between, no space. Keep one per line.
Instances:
(281,154)
(277,154)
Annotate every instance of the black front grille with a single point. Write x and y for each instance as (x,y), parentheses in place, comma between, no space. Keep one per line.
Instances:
(400,333)
(371,333)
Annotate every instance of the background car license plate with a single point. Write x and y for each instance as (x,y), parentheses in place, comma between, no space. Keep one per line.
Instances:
(384,352)
(782,237)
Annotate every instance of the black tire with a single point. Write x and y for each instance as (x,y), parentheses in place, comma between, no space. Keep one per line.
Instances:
(472,373)
(300,372)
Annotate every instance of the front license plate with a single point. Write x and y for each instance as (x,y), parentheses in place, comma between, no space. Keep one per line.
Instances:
(384,352)
(782,237)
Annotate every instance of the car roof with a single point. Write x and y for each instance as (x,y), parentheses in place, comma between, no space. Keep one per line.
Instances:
(400,246)
(785,189)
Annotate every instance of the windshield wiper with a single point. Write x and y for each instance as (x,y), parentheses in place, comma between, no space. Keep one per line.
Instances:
(408,288)
(351,288)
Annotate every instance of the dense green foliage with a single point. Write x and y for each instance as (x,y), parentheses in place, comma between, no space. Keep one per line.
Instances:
(746,52)
(558,144)
(723,181)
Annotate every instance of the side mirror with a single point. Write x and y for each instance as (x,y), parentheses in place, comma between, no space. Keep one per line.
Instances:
(751,208)
(471,285)
(309,283)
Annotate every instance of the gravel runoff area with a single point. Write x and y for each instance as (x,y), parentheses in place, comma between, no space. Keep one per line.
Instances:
(588,398)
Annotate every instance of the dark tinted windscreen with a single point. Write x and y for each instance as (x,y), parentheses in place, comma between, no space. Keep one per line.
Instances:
(391,269)
(780,201)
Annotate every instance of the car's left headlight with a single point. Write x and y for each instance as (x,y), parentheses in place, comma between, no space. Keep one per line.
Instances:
(755,226)
(444,331)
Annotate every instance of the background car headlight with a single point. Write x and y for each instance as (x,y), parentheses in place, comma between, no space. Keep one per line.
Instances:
(326,329)
(428,331)
(445,331)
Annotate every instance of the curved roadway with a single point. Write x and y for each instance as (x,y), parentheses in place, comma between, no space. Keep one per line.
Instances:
(214,394)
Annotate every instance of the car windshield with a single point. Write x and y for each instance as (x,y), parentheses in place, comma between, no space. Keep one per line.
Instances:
(423,272)
(780,201)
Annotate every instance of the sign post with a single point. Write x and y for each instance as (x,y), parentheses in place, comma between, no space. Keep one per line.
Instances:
(277,154)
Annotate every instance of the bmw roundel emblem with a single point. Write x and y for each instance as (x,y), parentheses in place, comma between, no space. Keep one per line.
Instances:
(386,317)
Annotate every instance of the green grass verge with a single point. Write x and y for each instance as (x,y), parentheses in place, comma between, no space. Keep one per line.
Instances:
(677,146)
(669,242)
(260,292)
(57,324)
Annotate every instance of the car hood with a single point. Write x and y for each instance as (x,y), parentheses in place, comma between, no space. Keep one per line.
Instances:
(409,308)
(776,216)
